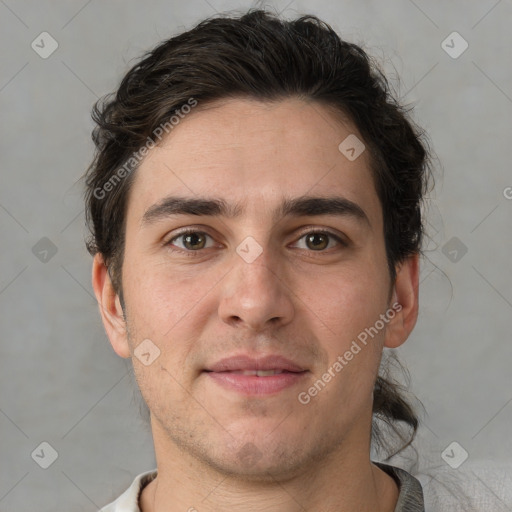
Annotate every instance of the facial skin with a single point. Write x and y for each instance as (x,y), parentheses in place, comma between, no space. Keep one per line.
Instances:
(304,300)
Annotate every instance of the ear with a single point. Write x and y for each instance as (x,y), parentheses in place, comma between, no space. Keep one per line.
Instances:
(110,308)
(405,293)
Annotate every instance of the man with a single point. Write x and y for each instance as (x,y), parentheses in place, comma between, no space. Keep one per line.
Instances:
(256,228)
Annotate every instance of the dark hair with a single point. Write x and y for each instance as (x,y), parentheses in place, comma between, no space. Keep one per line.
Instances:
(259,56)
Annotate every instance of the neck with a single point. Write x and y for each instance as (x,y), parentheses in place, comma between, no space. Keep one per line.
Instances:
(344,480)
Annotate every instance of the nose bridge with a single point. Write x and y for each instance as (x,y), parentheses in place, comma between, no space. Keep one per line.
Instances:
(255,292)
(256,273)
(258,277)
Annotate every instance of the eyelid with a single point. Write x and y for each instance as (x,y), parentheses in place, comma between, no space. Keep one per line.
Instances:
(338,237)
(199,230)
(186,231)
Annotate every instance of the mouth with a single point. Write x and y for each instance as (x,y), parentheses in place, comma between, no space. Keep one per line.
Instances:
(258,373)
(256,376)
(265,382)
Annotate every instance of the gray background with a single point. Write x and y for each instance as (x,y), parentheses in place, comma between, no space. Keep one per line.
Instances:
(61,382)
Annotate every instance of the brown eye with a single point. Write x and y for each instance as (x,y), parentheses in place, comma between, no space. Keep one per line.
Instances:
(317,241)
(194,241)
(190,241)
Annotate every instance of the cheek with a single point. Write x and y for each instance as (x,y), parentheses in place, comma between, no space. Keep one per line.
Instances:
(159,297)
(347,301)
(167,308)
(348,304)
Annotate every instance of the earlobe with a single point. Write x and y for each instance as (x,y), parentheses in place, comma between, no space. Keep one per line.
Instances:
(111,311)
(405,294)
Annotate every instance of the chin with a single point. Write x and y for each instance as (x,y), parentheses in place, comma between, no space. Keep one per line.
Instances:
(251,465)
(260,457)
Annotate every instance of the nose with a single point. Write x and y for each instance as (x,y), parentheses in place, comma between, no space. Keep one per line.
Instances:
(255,295)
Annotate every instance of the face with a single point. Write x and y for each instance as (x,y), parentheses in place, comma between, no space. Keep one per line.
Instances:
(239,305)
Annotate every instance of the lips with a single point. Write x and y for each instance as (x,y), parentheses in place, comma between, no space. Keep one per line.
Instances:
(259,373)
(261,365)
(256,376)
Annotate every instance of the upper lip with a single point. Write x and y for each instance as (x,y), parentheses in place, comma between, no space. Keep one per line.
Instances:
(245,362)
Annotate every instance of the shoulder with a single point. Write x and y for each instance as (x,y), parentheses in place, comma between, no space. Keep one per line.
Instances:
(410,498)
(475,485)
(129,500)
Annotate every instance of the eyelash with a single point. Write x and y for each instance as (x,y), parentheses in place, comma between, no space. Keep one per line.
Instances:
(193,254)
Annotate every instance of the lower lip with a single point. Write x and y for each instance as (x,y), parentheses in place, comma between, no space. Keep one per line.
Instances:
(254,385)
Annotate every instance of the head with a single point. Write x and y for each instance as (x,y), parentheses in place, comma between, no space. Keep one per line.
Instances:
(258,131)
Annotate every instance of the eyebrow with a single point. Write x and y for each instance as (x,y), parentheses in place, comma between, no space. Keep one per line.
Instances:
(304,206)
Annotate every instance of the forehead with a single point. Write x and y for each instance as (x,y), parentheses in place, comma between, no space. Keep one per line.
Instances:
(254,153)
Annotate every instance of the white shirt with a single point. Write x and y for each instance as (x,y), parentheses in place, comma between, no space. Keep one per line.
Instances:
(129,500)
